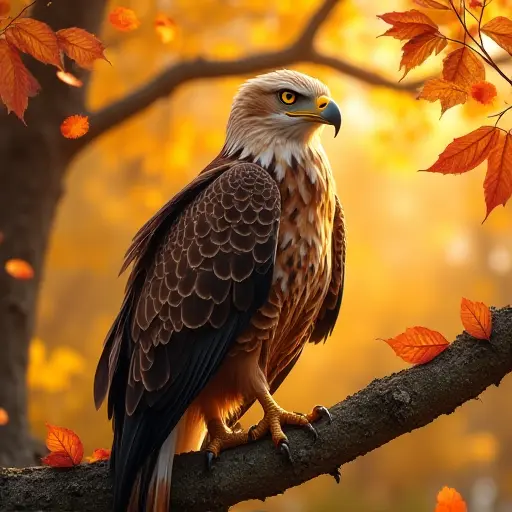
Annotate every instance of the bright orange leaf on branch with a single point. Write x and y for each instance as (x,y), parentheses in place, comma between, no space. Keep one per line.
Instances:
(65,447)
(75,126)
(476,319)
(99,454)
(449,500)
(81,46)
(500,31)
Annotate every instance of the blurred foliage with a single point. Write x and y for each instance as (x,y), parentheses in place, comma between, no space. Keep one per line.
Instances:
(416,243)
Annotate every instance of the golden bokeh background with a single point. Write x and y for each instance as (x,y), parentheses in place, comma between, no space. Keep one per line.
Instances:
(416,244)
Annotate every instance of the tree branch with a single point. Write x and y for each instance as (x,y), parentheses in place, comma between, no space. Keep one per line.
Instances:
(384,410)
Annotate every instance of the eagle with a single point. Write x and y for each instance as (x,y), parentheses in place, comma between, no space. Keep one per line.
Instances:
(230,279)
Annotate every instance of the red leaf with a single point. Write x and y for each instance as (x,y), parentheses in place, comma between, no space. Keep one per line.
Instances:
(463,67)
(81,46)
(483,92)
(498,180)
(99,454)
(431,4)
(64,440)
(448,93)
(407,25)
(449,500)
(19,269)
(476,319)
(500,31)
(465,153)
(35,38)
(418,49)
(5,7)
(58,460)
(418,345)
(75,126)
(124,19)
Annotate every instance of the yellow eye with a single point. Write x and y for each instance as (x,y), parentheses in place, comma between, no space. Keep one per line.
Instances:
(288,97)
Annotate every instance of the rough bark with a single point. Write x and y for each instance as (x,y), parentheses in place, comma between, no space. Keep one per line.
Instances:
(385,409)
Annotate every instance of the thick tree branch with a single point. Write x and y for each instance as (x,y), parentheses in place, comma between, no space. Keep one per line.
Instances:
(384,410)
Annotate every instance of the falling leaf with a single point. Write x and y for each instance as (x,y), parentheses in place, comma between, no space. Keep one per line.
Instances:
(418,345)
(99,454)
(500,31)
(449,500)
(483,92)
(465,153)
(19,269)
(16,81)
(69,79)
(81,46)
(498,180)
(35,38)
(75,126)
(4,417)
(448,93)
(476,319)
(419,48)
(5,7)
(463,67)
(124,19)
(65,442)
(407,25)
(431,4)
(165,27)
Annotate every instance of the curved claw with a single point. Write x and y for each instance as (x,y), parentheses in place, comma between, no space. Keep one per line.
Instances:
(209,460)
(336,474)
(250,432)
(312,429)
(284,448)
(323,412)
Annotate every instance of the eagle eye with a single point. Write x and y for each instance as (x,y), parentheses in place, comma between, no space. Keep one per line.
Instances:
(288,97)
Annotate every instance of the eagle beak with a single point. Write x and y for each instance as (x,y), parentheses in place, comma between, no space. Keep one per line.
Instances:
(326,112)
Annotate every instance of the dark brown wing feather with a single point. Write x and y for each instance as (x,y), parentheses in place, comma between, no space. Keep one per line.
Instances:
(195,285)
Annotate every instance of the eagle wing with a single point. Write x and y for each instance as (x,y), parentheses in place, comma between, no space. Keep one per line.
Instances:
(192,291)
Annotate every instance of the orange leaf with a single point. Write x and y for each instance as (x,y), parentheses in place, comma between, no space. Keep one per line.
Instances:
(124,19)
(500,31)
(448,93)
(4,417)
(16,81)
(19,269)
(465,153)
(165,27)
(69,78)
(99,454)
(475,4)
(58,460)
(81,46)
(64,440)
(476,319)
(75,126)
(431,4)
(419,48)
(407,25)
(449,500)
(5,7)
(498,180)
(463,67)
(418,345)
(483,92)
(35,38)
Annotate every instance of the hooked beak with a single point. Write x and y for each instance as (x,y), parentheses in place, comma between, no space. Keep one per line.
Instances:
(326,112)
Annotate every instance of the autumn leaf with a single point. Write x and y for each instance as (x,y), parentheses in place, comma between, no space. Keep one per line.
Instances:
(58,460)
(5,7)
(431,4)
(483,92)
(19,269)
(498,180)
(75,126)
(81,46)
(64,442)
(449,500)
(419,48)
(407,25)
(475,4)
(500,31)
(418,345)
(4,417)
(448,93)
(465,153)
(16,81)
(35,38)
(476,319)
(124,19)
(99,454)
(69,79)
(165,27)
(463,67)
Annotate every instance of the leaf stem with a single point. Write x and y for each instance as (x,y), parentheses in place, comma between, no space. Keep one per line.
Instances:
(499,115)
(17,16)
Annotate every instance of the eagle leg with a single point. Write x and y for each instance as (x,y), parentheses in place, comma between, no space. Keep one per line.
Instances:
(221,438)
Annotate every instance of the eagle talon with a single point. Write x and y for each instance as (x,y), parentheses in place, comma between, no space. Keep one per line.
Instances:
(336,474)
(319,412)
(312,429)
(284,448)
(209,460)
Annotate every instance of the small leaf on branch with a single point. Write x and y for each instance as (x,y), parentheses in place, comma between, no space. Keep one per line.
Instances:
(500,31)
(476,319)
(58,460)
(5,7)
(65,442)
(498,180)
(419,48)
(19,269)
(463,67)
(475,4)
(99,454)
(124,19)
(431,4)
(4,417)
(75,126)
(407,25)
(483,92)
(35,38)
(69,79)
(448,93)
(165,27)
(81,46)
(449,500)
(418,345)
(465,153)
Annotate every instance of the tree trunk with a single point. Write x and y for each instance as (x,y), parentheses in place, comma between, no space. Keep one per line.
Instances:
(33,163)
